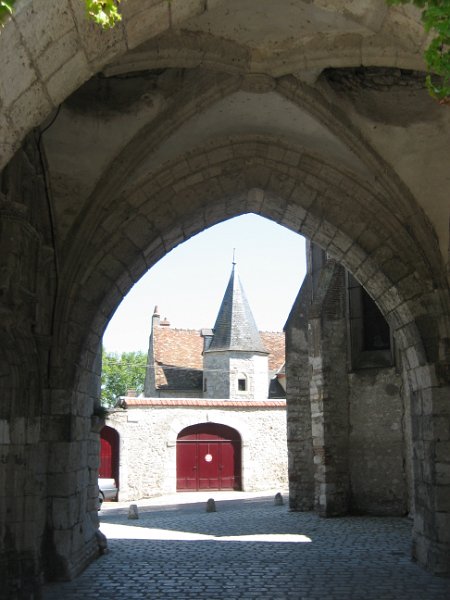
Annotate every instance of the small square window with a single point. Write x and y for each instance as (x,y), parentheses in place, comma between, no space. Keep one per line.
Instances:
(242,385)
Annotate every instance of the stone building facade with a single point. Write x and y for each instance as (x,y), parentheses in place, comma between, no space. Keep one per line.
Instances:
(347,413)
(116,146)
(148,430)
(226,376)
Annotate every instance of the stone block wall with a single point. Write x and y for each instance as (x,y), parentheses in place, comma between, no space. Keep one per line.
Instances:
(255,368)
(216,379)
(355,421)
(299,439)
(26,296)
(72,470)
(377,443)
(48,494)
(329,394)
(222,369)
(147,460)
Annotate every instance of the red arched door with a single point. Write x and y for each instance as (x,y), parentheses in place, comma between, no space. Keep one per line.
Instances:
(109,454)
(208,458)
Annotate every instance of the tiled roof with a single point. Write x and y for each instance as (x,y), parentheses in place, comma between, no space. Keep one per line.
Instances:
(178,358)
(235,327)
(274,342)
(132,401)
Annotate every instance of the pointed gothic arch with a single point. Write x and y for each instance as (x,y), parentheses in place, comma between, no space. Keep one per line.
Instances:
(352,221)
(371,224)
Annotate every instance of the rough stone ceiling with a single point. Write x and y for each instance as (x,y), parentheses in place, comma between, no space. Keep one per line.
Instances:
(244,113)
(297,37)
(101,121)
(153,102)
(259,27)
(48,54)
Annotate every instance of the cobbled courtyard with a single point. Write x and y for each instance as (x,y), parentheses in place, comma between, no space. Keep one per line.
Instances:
(249,549)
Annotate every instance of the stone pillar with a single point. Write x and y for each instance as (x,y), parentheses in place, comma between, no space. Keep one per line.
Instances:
(299,441)
(74,450)
(329,393)
(22,453)
(431,460)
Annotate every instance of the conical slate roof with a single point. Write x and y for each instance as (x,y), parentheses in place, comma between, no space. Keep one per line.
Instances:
(235,327)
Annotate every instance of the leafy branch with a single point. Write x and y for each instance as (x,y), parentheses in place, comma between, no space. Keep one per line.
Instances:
(103,12)
(121,372)
(436,19)
(6,8)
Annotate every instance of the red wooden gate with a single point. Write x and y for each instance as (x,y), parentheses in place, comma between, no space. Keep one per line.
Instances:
(109,454)
(208,458)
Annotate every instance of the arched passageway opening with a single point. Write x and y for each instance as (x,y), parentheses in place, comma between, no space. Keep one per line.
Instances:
(208,458)
(353,222)
(209,121)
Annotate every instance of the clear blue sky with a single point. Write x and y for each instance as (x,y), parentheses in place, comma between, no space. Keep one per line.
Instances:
(188,284)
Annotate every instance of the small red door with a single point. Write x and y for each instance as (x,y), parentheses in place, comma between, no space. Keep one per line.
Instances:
(109,454)
(105,469)
(208,458)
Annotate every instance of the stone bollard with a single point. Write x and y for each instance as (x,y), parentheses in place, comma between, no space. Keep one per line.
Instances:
(133,512)
(102,542)
(278,501)
(211,505)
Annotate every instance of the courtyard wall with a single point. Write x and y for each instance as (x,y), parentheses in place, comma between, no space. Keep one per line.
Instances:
(148,438)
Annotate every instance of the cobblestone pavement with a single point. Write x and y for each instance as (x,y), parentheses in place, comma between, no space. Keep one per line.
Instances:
(249,549)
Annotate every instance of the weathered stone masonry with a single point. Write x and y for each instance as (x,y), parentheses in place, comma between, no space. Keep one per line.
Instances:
(148,435)
(186,114)
(353,415)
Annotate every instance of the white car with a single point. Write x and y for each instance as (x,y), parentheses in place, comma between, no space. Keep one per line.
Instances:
(107,490)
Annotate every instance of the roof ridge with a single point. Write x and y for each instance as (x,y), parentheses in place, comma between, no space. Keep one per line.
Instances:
(271,331)
(180,329)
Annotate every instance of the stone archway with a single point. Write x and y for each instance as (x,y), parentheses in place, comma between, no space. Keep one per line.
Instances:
(393,239)
(68,43)
(356,223)
(353,223)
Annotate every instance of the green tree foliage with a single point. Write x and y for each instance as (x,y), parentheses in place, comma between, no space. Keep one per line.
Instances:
(120,373)
(103,12)
(6,7)
(436,19)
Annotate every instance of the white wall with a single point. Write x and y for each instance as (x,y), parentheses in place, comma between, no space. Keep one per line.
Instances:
(148,446)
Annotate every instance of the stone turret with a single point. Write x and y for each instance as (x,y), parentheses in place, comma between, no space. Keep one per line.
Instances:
(235,364)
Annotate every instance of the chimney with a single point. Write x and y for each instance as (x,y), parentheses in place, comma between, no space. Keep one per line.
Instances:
(155,318)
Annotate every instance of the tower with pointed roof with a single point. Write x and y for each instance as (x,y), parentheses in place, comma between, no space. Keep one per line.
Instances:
(235,361)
